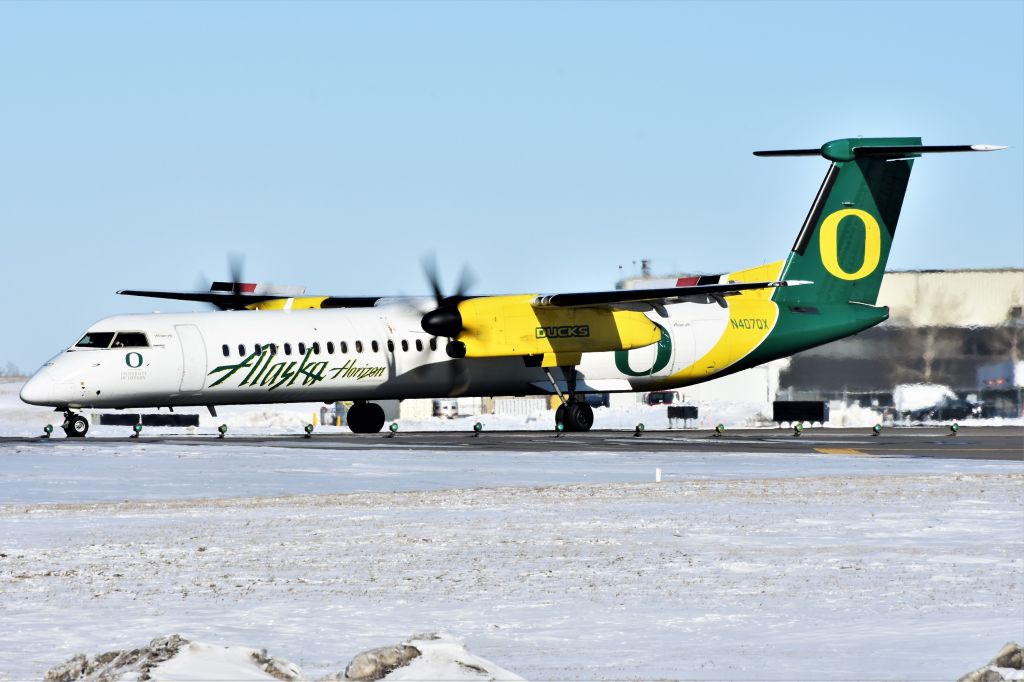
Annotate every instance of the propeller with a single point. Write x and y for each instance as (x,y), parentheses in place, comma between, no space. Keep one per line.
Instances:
(445,320)
(236,267)
(236,263)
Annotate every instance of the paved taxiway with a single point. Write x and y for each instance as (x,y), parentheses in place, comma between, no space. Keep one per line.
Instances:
(984,443)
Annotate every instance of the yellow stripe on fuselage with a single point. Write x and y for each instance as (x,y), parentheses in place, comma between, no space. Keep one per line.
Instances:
(752,316)
(297,303)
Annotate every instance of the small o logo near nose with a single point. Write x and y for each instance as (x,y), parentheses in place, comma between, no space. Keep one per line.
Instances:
(133,360)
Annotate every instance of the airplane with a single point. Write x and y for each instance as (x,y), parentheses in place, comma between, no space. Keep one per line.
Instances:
(268,344)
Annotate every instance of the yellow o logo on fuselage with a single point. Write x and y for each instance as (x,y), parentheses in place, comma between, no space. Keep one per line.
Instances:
(828,242)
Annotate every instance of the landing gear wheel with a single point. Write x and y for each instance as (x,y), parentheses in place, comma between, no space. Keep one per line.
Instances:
(560,417)
(366,418)
(577,417)
(75,425)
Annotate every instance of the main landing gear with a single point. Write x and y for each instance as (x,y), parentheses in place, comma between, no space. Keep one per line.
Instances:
(75,425)
(365,418)
(574,414)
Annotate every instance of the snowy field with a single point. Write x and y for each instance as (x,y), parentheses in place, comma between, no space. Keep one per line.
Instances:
(553,566)
(569,565)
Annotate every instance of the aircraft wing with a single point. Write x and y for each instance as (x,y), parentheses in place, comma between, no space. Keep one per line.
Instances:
(654,296)
(228,300)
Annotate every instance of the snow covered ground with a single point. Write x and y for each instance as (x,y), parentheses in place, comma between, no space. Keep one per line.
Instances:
(553,566)
(570,565)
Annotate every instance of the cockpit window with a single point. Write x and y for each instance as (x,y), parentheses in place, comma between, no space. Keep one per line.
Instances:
(96,340)
(131,340)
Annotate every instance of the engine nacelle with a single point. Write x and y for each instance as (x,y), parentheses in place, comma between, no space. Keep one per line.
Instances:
(503,326)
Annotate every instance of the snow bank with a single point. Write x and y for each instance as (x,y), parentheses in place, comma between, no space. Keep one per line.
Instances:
(1007,665)
(439,657)
(172,657)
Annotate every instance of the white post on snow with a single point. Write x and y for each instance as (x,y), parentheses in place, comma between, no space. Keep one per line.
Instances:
(657,475)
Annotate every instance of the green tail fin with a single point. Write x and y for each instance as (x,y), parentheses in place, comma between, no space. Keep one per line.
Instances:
(845,240)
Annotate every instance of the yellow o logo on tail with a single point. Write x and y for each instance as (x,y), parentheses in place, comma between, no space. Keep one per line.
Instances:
(828,242)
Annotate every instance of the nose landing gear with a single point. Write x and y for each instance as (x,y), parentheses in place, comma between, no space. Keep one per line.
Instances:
(75,425)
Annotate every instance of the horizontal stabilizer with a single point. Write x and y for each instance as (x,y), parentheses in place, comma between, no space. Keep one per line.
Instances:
(907,150)
(789,152)
(858,147)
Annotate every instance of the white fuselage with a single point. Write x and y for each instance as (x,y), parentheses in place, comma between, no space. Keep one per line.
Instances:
(238,357)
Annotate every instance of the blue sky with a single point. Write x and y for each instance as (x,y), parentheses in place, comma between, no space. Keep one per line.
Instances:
(546,144)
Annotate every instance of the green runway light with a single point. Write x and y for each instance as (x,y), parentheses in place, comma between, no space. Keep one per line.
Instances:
(719,430)
(876,429)
(798,428)
(47,430)
(222,430)
(136,430)
(309,430)
(954,428)
(393,429)
(477,428)
(559,427)
(639,430)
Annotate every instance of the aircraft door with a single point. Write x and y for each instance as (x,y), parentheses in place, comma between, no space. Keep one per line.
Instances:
(193,358)
(682,344)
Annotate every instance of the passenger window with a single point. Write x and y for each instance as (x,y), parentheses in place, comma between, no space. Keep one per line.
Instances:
(287,349)
(391,346)
(131,340)
(344,347)
(226,350)
(302,348)
(419,345)
(95,340)
(258,349)
(375,346)
(273,348)
(316,348)
(359,346)
(433,343)
(405,346)
(330,347)
(241,350)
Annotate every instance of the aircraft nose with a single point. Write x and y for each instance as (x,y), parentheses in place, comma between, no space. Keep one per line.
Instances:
(38,391)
